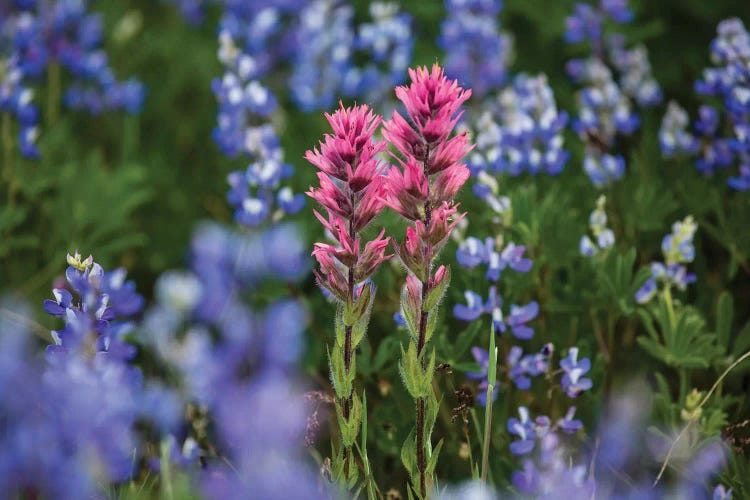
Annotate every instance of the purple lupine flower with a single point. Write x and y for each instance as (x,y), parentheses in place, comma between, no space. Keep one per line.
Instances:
(525,430)
(471,252)
(472,310)
(568,424)
(105,299)
(678,249)
(243,128)
(477,52)
(521,366)
(674,137)
(519,316)
(721,493)
(516,321)
(573,382)
(386,42)
(523,133)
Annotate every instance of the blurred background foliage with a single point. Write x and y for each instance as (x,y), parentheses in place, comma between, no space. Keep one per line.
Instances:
(130,189)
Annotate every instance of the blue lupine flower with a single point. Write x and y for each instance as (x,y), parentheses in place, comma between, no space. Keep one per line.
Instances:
(482,357)
(516,321)
(586,22)
(568,424)
(721,493)
(523,133)
(678,250)
(104,298)
(605,109)
(521,366)
(325,39)
(674,137)
(243,102)
(742,182)
(245,368)
(525,430)
(573,382)
(603,169)
(519,316)
(604,236)
(634,67)
(477,52)
(387,44)
(471,252)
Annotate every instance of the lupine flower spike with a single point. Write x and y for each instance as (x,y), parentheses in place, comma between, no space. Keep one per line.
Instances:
(351,190)
(421,188)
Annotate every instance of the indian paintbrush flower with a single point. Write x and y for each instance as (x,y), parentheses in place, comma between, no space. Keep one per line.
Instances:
(420,187)
(351,190)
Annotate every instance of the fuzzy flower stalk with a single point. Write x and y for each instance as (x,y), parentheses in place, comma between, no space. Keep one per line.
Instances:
(421,187)
(351,191)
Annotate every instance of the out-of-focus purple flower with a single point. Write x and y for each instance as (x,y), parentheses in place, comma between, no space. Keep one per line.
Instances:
(477,52)
(573,381)
(525,430)
(674,137)
(386,42)
(568,424)
(521,366)
(103,300)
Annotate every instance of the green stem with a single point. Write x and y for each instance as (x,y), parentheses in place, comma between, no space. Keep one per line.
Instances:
(167,492)
(487,433)
(670,307)
(684,384)
(491,379)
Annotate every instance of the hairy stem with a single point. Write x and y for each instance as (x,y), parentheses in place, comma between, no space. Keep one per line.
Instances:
(346,403)
(421,341)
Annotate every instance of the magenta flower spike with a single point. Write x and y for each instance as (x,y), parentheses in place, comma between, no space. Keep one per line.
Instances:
(351,190)
(421,187)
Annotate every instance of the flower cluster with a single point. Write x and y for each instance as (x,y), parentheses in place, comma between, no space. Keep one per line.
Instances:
(674,138)
(603,236)
(421,188)
(586,24)
(713,147)
(351,190)
(605,107)
(44,38)
(244,129)
(471,253)
(102,300)
(678,250)
(325,40)
(477,53)
(75,415)
(387,43)
(236,362)
(522,133)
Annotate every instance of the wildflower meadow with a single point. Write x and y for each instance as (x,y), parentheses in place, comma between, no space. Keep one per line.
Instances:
(323,249)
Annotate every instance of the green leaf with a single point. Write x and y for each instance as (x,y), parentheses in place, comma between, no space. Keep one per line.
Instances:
(435,295)
(409,454)
(433,460)
(724,316)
